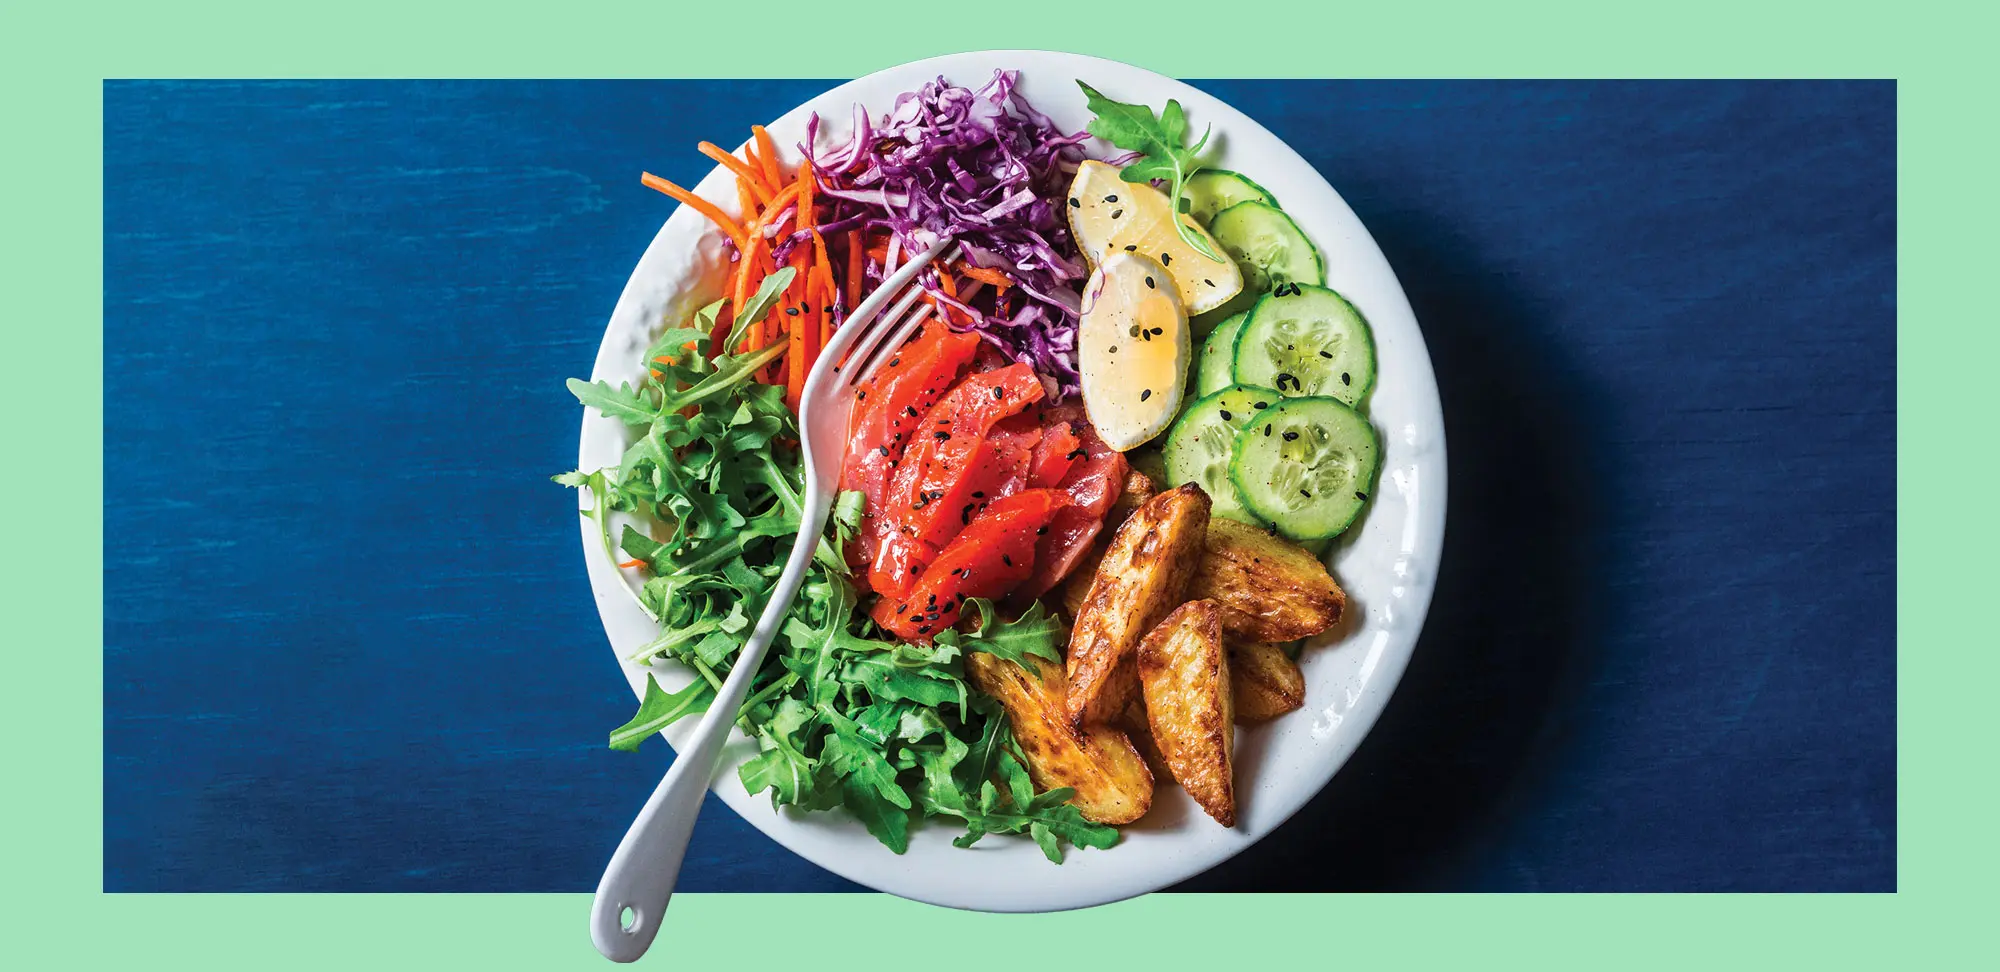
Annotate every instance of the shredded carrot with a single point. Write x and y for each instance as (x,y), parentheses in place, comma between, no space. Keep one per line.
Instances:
(807,218)
(826,320)
(767,155)
(747,201)
(702,206)
(797,353)
(776,207)
(748,265)
(999,280)
(633,563)
(745,175)
(854,255)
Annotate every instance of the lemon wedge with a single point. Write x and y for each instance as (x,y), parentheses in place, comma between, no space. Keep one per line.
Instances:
(1133,349)
(1108,215)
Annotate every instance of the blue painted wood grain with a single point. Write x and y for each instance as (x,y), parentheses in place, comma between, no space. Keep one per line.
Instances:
(349,647)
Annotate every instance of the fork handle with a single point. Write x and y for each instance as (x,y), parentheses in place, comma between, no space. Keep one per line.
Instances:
(643,871)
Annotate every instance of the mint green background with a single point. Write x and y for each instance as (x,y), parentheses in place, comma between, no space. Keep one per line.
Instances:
(54,409)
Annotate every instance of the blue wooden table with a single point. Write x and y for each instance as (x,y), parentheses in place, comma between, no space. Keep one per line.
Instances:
(349,645)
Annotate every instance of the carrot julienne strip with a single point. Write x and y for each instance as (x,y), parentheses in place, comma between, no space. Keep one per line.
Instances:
(744,173)
(700,205)
(767,155)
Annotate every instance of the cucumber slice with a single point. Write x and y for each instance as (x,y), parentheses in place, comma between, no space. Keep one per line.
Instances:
(1215,365)
(1267,246)
(1200,444)
(1211,191)
(1306,340)
(1306,465)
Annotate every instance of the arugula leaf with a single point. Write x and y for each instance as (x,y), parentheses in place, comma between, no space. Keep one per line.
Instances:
(1035,633)
(1135,129)
(659,710)
(759,304)
(624,402)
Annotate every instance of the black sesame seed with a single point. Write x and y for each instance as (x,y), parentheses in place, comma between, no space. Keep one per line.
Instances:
(1009,561)
(1117,213)
(1291,437)
(1208,281)
(894,362)
(1075,203)
(978,494)
(1159,330)
(791,312)
(828,309)
(917,569)
(1150,285)
(942,436)
(1166,259)
(1078,454)
(1041,531)
(1145,394)
(1260,404)
(917,617)
(885,450)
(1291,347)
(1267,431)
(1131,247)
(900,608)
(1114,349)
(910,410)
(1305,494)
(860,396)
(924,629)
(1346,379)
(1111,198)
(933,616)
(1225,415)
(999,393)
(1361,496)
(965,515)
(1326,354)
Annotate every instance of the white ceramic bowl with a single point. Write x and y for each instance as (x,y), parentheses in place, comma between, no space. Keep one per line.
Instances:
(1387,565)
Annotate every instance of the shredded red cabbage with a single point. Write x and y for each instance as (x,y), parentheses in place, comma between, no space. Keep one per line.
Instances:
(987,169)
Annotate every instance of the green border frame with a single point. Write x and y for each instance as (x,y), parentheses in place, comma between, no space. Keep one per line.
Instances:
(53,393)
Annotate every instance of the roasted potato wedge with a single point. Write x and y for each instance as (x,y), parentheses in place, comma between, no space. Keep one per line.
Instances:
(1138,489)
(1134,724)
(1112,783)
(1267,588)
(1076,587)
(1184,675)
(1143,576)
(1264,682)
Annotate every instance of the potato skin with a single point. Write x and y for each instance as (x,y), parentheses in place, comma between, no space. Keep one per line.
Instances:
(1184,674)
(1264,682)
(1143,576)
(1113,784)
(1269,590)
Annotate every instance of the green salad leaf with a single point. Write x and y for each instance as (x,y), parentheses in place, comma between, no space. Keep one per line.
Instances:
(1164,155)
(707,499)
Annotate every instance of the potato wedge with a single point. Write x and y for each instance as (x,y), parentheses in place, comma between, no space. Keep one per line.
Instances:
(1264,682)
(1138,489)
(1112,783)
(1143,576)
(1184,675)
(1076,587)
(1136,728)
(1267,588)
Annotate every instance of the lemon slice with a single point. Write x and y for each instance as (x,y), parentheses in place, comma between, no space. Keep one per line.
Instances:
(1108,215)
(1133,350)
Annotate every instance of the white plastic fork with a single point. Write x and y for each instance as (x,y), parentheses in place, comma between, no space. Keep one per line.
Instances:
(633,894)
